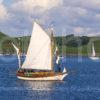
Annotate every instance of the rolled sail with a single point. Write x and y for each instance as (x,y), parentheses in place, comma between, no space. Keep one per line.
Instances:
(39,52)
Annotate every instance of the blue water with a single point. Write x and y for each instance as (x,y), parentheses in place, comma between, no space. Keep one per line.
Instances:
(82,83)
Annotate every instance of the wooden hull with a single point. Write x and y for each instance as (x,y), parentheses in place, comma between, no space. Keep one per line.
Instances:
(42,76)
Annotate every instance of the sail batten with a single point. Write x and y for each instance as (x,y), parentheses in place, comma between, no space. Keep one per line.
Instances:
(39,51)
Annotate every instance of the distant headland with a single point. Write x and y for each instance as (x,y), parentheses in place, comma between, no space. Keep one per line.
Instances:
(68,45)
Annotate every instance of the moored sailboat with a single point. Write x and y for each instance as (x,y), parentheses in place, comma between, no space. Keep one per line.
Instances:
(93,56)
(38,64)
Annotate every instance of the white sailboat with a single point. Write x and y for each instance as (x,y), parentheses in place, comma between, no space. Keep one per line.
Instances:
(93,56)
(38,63)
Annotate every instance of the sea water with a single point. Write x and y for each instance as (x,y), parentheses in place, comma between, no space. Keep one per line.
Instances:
(82,82)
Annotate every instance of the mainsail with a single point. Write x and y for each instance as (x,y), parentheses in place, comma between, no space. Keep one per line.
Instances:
(39,52)
(93,51)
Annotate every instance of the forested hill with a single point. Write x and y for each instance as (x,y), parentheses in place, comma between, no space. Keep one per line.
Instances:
(2,35)
(68,45)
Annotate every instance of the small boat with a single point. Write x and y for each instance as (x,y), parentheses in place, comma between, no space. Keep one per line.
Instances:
(1,54)
(38,64)
(93,56)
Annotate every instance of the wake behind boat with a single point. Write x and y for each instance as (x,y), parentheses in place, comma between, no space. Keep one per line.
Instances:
(38,64)
(93,56)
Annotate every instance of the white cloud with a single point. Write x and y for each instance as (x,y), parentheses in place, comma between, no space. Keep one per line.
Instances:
(94,4)
(94,34)
(33,5)
(97,17)
(78,30)
(1,1)
(3,11)
(81,11)
(67,16)
(82,30)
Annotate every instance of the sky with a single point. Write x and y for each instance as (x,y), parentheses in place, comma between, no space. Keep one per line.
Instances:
(79,17)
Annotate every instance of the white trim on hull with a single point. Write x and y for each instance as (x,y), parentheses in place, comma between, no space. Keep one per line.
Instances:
(52,78)
(94,58)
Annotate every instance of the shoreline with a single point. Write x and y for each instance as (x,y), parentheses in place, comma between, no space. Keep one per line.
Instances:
(84,55)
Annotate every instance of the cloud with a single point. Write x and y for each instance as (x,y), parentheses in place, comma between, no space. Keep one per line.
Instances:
(91,4)
(1,1)
(33,6)
(22,13)
(78,30)
(97,16)
(66,16)
(3,11)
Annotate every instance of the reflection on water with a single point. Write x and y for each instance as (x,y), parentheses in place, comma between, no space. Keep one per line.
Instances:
(39,85)
(82,83)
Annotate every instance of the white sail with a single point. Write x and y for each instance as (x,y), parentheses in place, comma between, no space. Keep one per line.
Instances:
(39,51)
(93,51)
(18,54)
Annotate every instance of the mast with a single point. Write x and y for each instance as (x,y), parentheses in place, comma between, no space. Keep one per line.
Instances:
(52,45)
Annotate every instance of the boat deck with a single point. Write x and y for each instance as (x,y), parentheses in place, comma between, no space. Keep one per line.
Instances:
(38,74)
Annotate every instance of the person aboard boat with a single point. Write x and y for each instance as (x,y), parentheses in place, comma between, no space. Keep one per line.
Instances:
(59,65)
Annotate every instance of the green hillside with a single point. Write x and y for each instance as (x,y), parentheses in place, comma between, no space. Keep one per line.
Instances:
(80,45)
(68,45)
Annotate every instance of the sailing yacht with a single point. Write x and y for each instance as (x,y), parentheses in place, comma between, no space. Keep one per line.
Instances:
(93,56)
(38,64)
